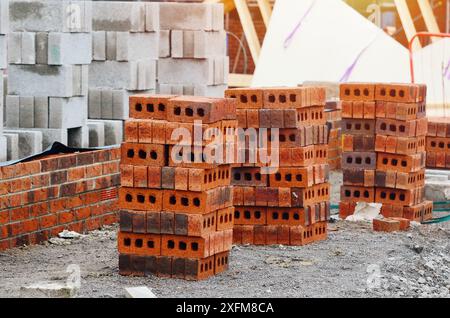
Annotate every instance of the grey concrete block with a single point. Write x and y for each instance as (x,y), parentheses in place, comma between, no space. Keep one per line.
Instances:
(113,131)
(111,45)
(107,104)
(3,148)
(12,111)
(69,48)
(180,71)
(50,15)
(120,104)
(99,45)
(22,48)
(123,75)
(80,80)
(2,108)
(78,137)
(118,16)
(176,43)
(41,115)
(67,112)
(46,80)
(26,112)
(96,133)
(164,43)
(12,146)
(30,141)
(95,103)
(152,17)
(45,136)
(198,44)
(191,16)
(41,47)
(136,46)
(4,16)
(221,70)
(3,51)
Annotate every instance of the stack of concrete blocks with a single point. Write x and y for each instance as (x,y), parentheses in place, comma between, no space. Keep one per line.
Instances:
(49,52)
(3,32)
(125,52)
(192,56)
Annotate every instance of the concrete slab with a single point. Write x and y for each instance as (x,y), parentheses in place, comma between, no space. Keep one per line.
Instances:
(30,141)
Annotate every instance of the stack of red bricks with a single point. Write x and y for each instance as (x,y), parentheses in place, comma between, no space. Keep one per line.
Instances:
(438,143)
(176,216)
(384,128)
(334,117)
(290,205)
(41,198)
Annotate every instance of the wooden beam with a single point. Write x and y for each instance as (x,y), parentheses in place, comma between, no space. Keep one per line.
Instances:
(266,11)
(428,17)
(249,28)
(407,22)
(227,4)
(240,80)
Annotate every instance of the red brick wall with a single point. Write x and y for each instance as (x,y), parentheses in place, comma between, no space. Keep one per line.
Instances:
(41,198)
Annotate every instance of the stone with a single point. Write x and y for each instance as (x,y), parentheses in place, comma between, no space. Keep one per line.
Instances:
(139,292)
(48,290)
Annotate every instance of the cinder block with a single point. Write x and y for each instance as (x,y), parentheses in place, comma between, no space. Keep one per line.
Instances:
(3,148)
(152,17)
(180,71)
(113,131)
(3,51)
(164,43)
(26,112)
(4,17)
(99,45)
(96,133)
(111,45)
(41,47)
(45,80)
(67,112)
(78,137)
(22,48)
(192,16)
(12,111)
(30,141)
(136,46)
(120,102)
(118,16)
(60,16)
(12,147)
(132,75)
(198,44)
(69,48)
(95,103)
(107,103)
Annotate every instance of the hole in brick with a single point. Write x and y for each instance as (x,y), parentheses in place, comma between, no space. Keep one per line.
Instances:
(433,144)
(383,92)
(347,92)
(367,127)
(288,177)
(127,242)
(237,214)
(383,195)
(150,244)
(201,112)
(357,92)
(293,98)
(139,243)
(383,126)
(292,137)
(152,199)
(140,198)
(138,107)
(357,194)
(282,138)
(201,268)
(150,108)
(185,201)
(226,218)
(161,107)
(349,126)
(298,177)
(385,161)
(182,246)
(366,92)
(348,193)
(394,162)
(404,163)
(129,198)
(393,128)
(177,111)
(247,215)
(349,160)
(194,246)
(171,244)
(278,176)
(402,128)
(237,176)
(275,215)
(248,176)
(189,112)
(142,154)
(204,224)
(368,161)
(244,99)
(366,194)
(358,160)
(196,202)
(283,99)
(258,176)
(285,216)
(392,196)
(402,197)
(296,216)
(392,92)
(130,153)
(221,219)
(358,126)
(257,215)
(272,98)
(254,98)
(173,200)
(401,93)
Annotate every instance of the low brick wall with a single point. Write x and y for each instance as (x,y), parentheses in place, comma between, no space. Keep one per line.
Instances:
(41,198)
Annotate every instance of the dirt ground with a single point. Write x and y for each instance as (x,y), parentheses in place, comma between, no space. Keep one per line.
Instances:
(353,262)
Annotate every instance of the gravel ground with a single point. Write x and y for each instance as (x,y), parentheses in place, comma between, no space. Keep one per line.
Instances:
(353,262)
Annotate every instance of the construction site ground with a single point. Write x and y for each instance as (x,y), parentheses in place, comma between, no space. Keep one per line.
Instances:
(353,262)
